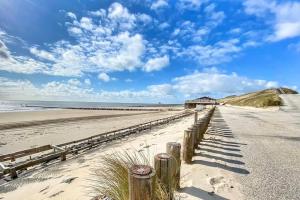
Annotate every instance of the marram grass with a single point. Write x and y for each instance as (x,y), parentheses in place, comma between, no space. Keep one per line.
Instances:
(111,181)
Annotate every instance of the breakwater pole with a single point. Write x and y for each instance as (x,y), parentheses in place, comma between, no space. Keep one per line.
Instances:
(194,135)
(141,180)
(174,149)
(165,166)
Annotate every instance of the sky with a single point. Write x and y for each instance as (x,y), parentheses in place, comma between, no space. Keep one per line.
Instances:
(146,51)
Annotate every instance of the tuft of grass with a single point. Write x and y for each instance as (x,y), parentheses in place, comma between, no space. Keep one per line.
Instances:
(111,181)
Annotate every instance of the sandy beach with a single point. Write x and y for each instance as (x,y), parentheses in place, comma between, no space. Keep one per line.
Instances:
(57,181)
(246,154)
(61,126)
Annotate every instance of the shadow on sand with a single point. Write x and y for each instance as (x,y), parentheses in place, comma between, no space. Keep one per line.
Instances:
(199,193)
(217,150)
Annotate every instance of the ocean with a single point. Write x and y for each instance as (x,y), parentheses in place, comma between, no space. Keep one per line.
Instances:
(13,106)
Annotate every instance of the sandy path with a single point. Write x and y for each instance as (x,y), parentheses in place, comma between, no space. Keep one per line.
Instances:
(55,133)
(271,153)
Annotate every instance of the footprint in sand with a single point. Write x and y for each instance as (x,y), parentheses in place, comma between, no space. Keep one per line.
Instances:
(217,183)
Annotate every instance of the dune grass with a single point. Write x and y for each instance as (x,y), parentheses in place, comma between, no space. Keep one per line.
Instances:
(264,98)
(111,181)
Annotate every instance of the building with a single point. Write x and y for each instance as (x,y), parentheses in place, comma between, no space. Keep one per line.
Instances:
(200,101)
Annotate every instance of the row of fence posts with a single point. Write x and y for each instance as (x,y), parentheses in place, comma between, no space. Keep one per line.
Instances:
(167,165)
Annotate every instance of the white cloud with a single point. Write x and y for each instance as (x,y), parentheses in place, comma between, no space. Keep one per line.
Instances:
(102,44)
(214,17)
(42,54)
(284,17)
(214,82)
(190,4)
(159,4)
(74,82)
(207,55)
(71,90)
(163,25)
(4,53)
(98,13)
(121,16)
(104,77)
(156,64)
(71,15)
(210,81)
(144,18)
(128,80)
(87,81)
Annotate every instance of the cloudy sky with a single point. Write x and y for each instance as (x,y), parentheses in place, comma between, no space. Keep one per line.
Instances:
(146,51)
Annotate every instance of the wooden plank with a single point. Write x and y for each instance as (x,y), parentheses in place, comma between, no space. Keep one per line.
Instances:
(23,153)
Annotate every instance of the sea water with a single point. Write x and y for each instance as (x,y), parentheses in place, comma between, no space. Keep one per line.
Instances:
(13,106)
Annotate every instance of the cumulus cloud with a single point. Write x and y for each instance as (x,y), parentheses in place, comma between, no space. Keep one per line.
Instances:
(104,77)
(73,89)
(71,15)
(104,43)
(220,52)
(210,81)
(156,64)
(284,17)
(42,54)
(213,82)
(159,4)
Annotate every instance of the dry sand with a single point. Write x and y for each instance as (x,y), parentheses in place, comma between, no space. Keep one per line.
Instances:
(198,181)
(16,139)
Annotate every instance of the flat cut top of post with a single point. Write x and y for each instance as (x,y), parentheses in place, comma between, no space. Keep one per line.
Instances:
(163,156)
(141,170)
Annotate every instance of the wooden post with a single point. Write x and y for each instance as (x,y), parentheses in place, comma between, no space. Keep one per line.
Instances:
(194,135)
(196,117)
(13,173)
(197,125)
(63,156)
(141,182)
(165,166)
(173,149)
(188,146)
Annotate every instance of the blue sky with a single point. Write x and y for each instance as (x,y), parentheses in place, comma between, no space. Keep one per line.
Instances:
(146,51)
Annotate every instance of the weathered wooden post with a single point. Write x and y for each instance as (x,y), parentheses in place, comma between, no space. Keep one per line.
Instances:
(196,117)
(174,149)
(188,146)
(165,166)
(194,133)
(141,182)
(63,156)
(13,173)
(198,131)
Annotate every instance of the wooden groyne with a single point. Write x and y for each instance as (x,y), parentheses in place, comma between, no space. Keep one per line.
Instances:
(112,108)
(12,163)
